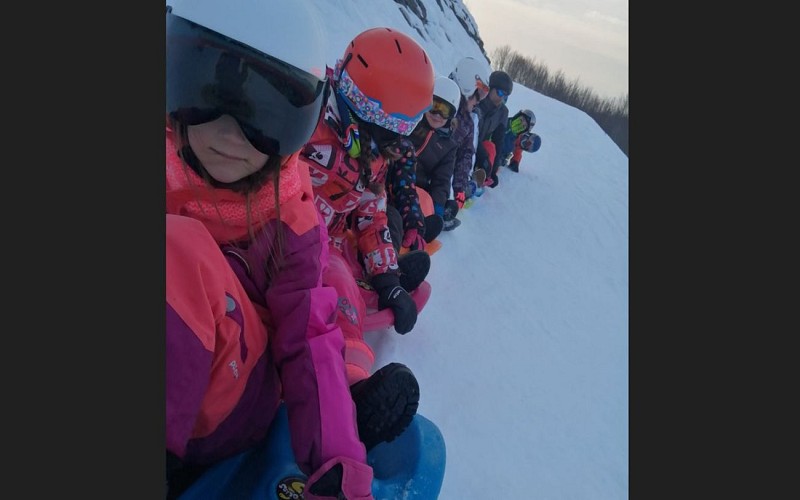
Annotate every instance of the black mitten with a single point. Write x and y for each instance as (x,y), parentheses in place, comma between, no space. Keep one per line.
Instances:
(330,484)
(391,294)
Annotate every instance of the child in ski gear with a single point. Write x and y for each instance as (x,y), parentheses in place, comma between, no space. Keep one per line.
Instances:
(521,122)
(472,79)
(436,149)
(528,142)
(379,91)
(492,125)
(249,324)
(435,152)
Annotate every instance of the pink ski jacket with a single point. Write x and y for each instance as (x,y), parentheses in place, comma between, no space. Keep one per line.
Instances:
(217,406)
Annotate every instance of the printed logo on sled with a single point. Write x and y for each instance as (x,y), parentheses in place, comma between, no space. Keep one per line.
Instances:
(290,487)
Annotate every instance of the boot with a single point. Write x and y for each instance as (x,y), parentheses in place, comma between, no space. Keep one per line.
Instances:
(514,166)
(385,404)
(414,267)
(433,226)
(450,210)
(451,224)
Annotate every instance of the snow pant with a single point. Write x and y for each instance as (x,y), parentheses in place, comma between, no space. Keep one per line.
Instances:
(491,153)
(343,270)
(517,156)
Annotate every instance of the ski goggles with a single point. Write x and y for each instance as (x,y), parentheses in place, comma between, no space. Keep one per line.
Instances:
(442,108)
(502,94)
(209,75)
(526,143)
(529,142)
(381,136)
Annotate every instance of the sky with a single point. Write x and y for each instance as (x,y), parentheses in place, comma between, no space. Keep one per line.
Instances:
(586,39)
(521,352)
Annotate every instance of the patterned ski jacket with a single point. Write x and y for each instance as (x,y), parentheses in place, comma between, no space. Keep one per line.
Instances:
(340,195)
(464,136)
(214,412)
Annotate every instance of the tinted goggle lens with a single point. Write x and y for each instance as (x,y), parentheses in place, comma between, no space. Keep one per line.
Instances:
(382,137)
(208,75)
(442,108)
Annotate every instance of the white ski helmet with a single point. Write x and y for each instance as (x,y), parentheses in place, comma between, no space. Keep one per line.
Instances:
(470,75)
(447,90)
(531,117)
(232,57)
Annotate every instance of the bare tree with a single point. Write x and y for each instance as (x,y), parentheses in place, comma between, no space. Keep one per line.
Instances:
(610,115)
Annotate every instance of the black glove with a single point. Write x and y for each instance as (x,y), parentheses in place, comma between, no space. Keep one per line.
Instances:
(391,294)
(330,484)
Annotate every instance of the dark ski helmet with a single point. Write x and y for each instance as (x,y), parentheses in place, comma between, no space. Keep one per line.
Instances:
(386,78)
(501,80)
(231,57)
(530,142)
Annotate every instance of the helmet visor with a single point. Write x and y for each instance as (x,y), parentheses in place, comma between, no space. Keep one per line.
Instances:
(208,75)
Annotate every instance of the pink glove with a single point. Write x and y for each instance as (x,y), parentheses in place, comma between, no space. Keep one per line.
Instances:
(413,241)
(461,198)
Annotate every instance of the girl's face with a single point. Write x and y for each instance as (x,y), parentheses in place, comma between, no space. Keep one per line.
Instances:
(439,108)
(223,149)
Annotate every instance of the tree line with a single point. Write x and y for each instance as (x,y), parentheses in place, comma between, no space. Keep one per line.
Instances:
(611,115)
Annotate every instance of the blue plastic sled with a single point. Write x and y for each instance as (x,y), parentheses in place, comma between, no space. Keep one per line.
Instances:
(410,467)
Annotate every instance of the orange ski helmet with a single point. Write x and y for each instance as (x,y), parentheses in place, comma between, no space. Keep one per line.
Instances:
(386,78)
